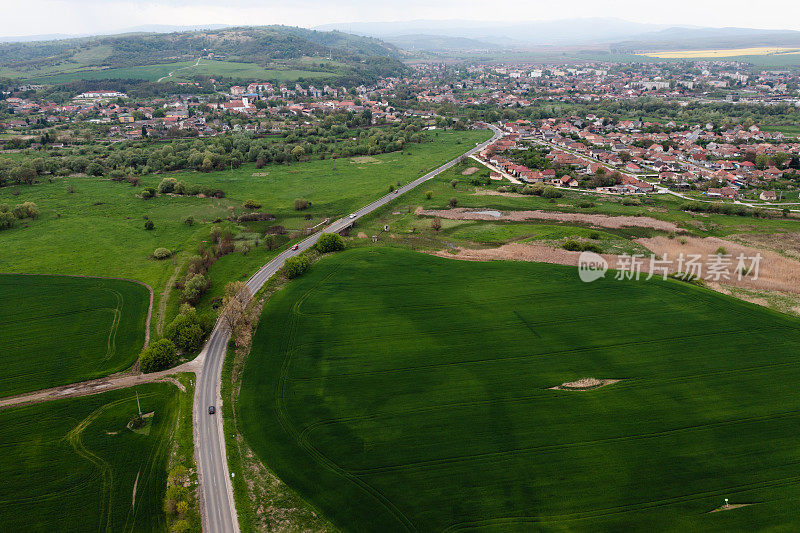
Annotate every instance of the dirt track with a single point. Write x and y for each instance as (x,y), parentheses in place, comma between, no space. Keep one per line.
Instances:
(96,386)
(605,221)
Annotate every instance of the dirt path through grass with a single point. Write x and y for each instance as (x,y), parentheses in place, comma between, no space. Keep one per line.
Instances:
(96,386)
(162,304)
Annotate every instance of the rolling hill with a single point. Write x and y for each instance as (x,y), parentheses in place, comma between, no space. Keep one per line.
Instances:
(279,47)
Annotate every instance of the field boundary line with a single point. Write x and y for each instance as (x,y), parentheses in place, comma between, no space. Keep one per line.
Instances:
(87,276)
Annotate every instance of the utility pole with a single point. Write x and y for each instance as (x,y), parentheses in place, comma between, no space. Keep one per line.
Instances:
(137,403)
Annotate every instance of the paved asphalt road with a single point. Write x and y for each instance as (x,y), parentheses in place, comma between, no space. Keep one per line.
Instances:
(219,512)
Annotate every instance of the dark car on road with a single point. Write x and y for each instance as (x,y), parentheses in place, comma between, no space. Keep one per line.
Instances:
(212,409)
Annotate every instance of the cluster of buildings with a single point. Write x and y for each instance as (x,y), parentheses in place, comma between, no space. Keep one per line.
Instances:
(722,164)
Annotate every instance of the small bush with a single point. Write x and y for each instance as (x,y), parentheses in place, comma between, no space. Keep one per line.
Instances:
(161,253)
(194,288)
(591,247)
(255,217)
(7,220)
(26,210)
(595,236)
(296,266)
(330,242)
(436,223)
(585,204)
(158,356)
(454,183)
(551,192)
(251,204)
(189,221)
(429,195)
(167,185)
(300,204)
(572,245)
(721,251)
(148,225)
(148,192)
(453,202)
(631,202)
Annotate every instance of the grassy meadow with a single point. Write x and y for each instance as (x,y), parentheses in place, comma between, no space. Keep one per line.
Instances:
(73,465)
(58,330)
(98,228)
(399,391)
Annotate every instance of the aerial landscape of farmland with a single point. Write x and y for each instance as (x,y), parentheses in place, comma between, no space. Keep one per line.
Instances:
(338,267)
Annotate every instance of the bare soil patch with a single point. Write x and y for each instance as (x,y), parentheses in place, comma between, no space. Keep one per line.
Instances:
(470,171)
(605,221)
(492,192)
(364,159)
(361,235)
(585,384)
(730,507)
(775,273)
(788,243)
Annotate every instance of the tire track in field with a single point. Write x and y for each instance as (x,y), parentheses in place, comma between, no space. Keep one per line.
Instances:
(546,354)
(633,507)
(286,422)
(577,444)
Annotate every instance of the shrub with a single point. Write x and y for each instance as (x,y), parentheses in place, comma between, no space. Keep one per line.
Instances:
(158,356)
(189,221)
(721,251)
(148,192)
(300,204)
(194,288)
(429,195)
(167,185)
(161,253)
(26,210)
(585,204)
(631,201)
(591,247)
(453,202)
(148,225)
(551,192)
(454,183)
(436,223)
(253,217)
(572,245)
(330,242)
(251,204)
(594,236)
(7,219)
(296,266)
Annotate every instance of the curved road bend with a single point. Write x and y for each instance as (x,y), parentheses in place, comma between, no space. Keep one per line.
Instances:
(219,511)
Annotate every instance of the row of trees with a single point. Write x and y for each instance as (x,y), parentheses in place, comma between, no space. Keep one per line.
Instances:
(206,155)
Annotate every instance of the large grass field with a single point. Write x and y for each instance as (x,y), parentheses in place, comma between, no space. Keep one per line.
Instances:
(98,229)
(57,330)
(73,465)
(400,391)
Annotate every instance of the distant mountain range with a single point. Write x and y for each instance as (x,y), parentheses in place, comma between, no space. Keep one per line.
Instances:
(618,35)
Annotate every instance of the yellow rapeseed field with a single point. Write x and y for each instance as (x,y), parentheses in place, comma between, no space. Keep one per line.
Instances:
(758,51)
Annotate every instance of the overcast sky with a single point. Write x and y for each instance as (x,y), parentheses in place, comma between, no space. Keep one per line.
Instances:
(37,17)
